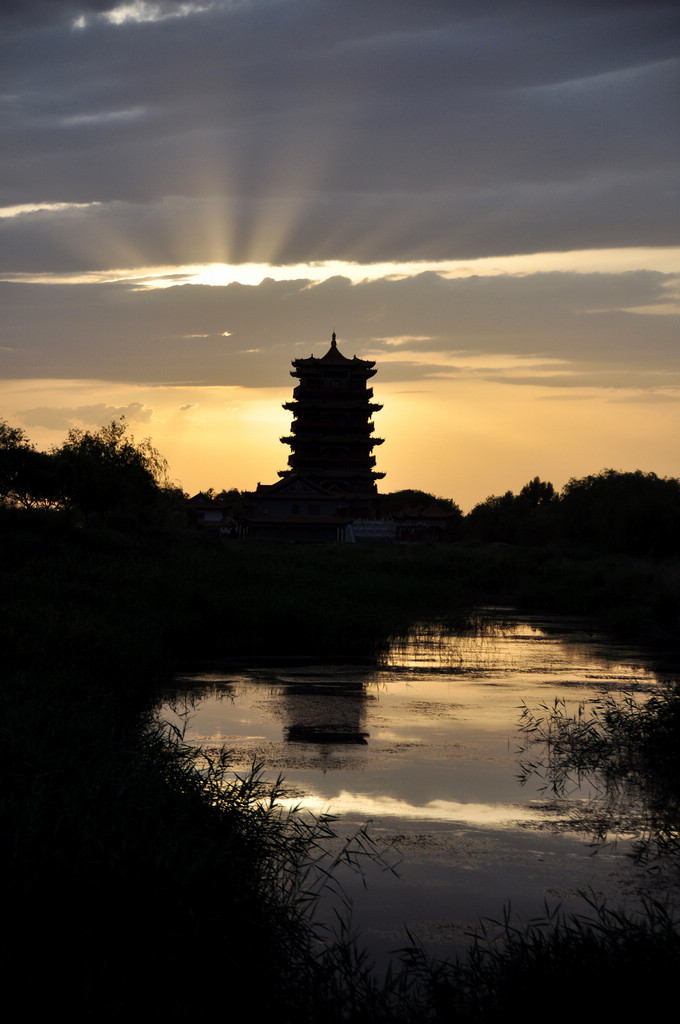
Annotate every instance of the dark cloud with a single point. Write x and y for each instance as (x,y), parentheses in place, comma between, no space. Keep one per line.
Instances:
(31,14)
(247,335)
(337,129)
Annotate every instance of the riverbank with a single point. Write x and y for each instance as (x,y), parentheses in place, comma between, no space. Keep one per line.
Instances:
(139,603)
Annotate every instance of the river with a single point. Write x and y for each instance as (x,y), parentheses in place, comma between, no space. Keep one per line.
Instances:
(426,747)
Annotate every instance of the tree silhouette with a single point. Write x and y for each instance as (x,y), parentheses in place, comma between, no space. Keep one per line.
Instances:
(538,492)
(524,518)
(634,513)
(102,473)
(26,475)
(107,473)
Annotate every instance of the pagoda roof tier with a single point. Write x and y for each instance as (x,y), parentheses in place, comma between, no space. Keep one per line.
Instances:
(328,402)
(294,482)
(334,358)
(316,465)
(332,439)
(317,469)
(322,387)
(318,425)
(364,487)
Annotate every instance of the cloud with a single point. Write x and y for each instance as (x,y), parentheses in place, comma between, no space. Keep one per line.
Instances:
(372,131)
(272,131)
(113,332)
(84,415)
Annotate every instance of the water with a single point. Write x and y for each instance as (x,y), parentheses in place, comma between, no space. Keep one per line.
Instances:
(426,748)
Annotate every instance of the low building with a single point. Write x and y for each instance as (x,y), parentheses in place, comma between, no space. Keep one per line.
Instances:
(212,513)
(422,523)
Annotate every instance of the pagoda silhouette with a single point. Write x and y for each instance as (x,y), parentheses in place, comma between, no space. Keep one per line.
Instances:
(330,481)
(331,435)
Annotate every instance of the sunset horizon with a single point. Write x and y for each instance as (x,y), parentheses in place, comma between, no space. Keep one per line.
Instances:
(483,201)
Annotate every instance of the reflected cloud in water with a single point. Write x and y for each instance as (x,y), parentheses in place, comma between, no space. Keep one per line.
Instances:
(425,746)
(364,804)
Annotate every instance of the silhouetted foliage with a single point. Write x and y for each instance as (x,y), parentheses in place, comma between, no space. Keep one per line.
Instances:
(619,513)
(102,473)
(524,518)
(493,519)
(626,747)
(106,472)
(633,513)
(26,475)
(537,492)
(397,500)
(232,500)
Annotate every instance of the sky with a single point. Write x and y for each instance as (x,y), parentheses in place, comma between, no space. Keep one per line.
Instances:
(480,196)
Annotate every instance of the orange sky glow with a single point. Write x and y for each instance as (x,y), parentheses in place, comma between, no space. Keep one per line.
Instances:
(482,202)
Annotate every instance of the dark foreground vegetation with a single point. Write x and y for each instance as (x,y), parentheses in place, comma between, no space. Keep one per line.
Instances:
(138,879)
(627,748)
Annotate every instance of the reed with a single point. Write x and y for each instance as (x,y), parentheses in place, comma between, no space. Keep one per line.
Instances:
(624,963)
(626,746)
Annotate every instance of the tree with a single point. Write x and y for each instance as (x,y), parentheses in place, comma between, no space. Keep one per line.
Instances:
(26,475)
(13,448)
(634,513)
(107,473)
(538,492)
(524,518)
(396,500)
(494,519)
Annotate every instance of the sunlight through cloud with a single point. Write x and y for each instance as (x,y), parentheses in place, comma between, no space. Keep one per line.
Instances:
(664,260)
(15,211)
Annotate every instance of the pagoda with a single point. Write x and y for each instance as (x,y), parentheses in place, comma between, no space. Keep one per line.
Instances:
(331,438)
(330,483)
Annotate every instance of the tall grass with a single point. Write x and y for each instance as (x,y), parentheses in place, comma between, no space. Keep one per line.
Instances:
(102,597)
(627,747)
(597,965)
(141,876)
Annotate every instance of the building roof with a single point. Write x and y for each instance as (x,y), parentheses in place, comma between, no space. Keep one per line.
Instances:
(334,357)
(294,483)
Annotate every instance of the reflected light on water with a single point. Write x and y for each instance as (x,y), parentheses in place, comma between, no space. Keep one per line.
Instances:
(370,807)
(425,747)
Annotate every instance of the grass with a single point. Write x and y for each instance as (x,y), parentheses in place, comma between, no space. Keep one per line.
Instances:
(139,873)
(600,964)
(627,747)
(178,597)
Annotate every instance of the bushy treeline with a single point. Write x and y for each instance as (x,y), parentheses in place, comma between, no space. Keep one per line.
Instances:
(413,498)
(623,513)
(611,512)
(102,474)
(106,476)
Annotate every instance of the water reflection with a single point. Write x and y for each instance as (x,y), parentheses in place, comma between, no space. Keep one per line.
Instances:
(626,747)
(425,746)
